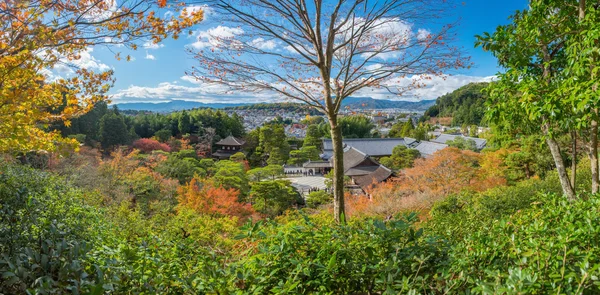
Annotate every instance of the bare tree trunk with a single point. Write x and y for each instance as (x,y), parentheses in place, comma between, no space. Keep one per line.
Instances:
(561,169)
(338,171)
(592,150)
(573,158)
(592,146)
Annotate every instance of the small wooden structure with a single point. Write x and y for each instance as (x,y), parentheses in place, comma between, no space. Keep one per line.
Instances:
(227,147)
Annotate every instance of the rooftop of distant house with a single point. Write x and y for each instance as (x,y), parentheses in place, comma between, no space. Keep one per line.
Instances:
(480,143)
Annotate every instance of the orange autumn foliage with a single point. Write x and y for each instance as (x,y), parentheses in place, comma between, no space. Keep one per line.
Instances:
(206,198)
(493,169)
(449,171)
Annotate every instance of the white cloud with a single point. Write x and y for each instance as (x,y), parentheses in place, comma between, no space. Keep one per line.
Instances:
(309,51)
(215,37)
(152,45)
(50,76)
(83,60)
(374,67)
(207,10)
(66,67)
(149,56)
(423,34)
(191,80)
(387,34)
(101,10)
(384,39)
(115,41)
(199,91)
(433,88)
(203,92)
(87,61)
(263,44)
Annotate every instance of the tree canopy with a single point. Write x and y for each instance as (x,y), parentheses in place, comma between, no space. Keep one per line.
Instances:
(41,36)
(328,53)
(466,105)
(549,84)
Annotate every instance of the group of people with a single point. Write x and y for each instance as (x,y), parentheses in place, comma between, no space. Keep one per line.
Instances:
(301,172)
(316,189)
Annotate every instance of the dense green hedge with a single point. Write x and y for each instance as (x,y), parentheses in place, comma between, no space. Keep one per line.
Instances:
(368,257)
(552,248)
(55,239)
(46,231)
(53,242)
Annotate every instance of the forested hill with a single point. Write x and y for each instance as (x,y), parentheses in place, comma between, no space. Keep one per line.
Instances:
(350,102)
(370,103)
(466,105)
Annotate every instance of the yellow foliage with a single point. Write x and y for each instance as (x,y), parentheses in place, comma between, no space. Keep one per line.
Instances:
(39,35)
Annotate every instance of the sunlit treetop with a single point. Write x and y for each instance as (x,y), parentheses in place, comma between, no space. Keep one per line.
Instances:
(39,36)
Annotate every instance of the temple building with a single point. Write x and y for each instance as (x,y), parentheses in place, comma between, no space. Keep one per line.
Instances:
(383,147)
(361,158)
(227,147)
(362,169)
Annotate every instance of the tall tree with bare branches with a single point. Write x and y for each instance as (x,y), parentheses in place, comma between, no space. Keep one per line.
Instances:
(322,52)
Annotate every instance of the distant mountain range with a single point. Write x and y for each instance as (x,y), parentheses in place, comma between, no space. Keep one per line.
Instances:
(173,105)
(370,103)
(350,102)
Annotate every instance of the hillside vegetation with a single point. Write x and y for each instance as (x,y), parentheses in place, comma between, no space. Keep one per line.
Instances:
(466,105)
(61,239)
(93,201)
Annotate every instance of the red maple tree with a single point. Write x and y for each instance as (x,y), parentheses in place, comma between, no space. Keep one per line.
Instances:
(207,198)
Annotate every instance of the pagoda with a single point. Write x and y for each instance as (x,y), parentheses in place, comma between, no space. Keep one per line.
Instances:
(227,147)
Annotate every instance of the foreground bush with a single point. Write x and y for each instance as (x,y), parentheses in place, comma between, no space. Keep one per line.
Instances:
(367,257)
(550,248)
(52,242)
(46,232)
(510,240)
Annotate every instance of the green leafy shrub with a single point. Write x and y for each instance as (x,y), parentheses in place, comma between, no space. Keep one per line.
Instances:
(180,167)
(53,242)
(46,231)
(273,197)
(55,239)
(318,198)
(368,257)
(549,248)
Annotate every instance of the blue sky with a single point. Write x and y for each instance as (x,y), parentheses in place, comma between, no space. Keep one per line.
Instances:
(157,72)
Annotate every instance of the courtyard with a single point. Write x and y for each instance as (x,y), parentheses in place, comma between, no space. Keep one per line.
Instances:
(304,184)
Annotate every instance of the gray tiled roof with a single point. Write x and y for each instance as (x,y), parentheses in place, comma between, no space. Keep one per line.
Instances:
(410,142)
(443,138)
(380,174)
(230,140)
(353,157)
(326,155)
(364,170)
(428,148)
(376,147)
